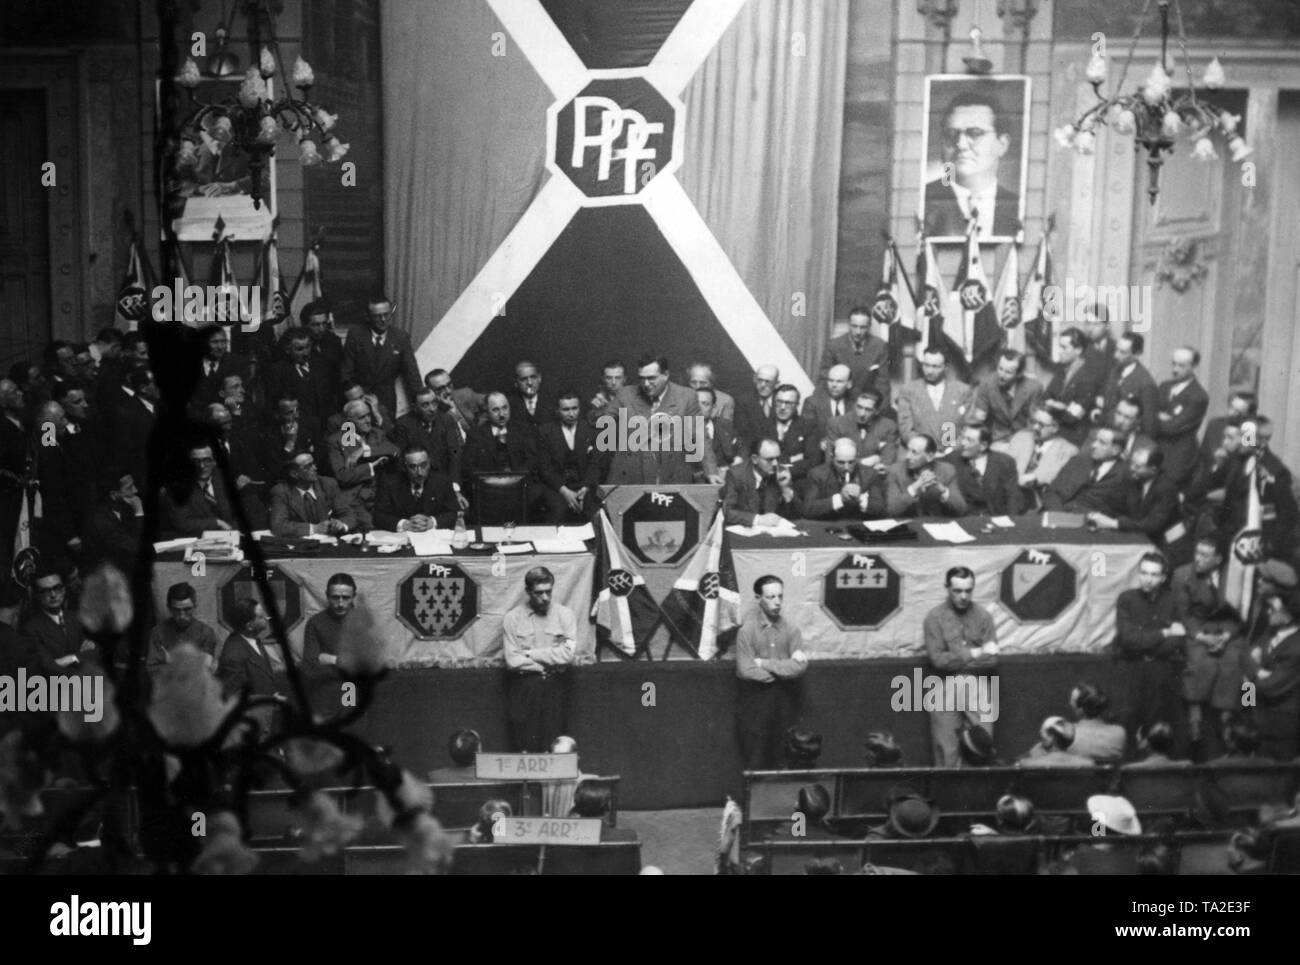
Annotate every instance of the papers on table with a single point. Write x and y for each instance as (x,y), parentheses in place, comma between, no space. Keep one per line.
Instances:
(560,545)
(168,545)
(522,534)
(513,549)
(881,525)
(1003,522)
(230,536)
(948,532)
(429,544)
(788,530)
(578,534)
(384,537)
(325,538)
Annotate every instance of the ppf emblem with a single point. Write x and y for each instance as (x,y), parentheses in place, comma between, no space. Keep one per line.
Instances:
(1249,547)
(862,590)
(1038,586)
(614,138)
(437,601)
(973,294)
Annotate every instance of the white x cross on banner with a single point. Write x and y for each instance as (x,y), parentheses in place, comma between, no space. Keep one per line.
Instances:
(555,205)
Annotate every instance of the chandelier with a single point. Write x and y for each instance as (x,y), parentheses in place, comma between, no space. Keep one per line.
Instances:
(1154,115)
(251,121)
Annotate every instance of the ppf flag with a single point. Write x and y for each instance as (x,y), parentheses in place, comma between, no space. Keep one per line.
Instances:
(1247,551)
(895,307)
(622,608)
(932,299)
(133,295)
(980,326)
(704,606)
(1038,334)
(26,558)
(275,302)
(1006,301)
(307,288)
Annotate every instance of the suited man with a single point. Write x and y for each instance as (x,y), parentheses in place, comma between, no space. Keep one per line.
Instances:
(832,400)
(86,439)
(569,464)
(1101,344)
(420,499)
(66,494)
(974,139)
(1127,417)
(866,356)
(613,376)
(376,355)
(1005,398)
(800,445)
(844,487)
(205,503)
(241,447)
(465,406)
(113,529)
(245,662)
(1149,639)
(723,449)
(1277,505)
(1151,503)
(1072,393)
(1183,404)
(1273,666)
(134,423)
(760,492)
(1040,455)
(700,376)
(527,405)
(987,480)
(284,438)
(381,417)
(1096,480)
(357,454)
(427,426)
(500,445)
(1241,405)
(52,634)
(307,503)
(933,405)
(922,485)
(874,433)
(1129,378)
(754,410)
(216,365)
(654,396)
(308,381)
(326,348)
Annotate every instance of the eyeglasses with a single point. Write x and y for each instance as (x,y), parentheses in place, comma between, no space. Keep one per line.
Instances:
(972,134)
(203,460)
(50,589)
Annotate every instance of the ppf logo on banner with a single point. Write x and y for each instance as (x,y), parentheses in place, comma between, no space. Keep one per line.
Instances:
(615,137)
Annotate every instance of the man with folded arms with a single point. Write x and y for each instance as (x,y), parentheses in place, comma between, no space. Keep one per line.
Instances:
(769,662)
(1149,639)
(540,640)
(960,639)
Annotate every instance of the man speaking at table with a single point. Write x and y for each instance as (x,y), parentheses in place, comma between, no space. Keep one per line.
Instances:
(540,642)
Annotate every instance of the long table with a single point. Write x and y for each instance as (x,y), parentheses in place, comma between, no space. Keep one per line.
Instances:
(432,611)
(1048,590)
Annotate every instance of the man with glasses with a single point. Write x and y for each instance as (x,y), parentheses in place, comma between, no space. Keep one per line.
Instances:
(464,405)
(206,503)
(800,445)
(656,409)
(53,634)
(755,411)
(974,140)
(307,503)
(761,493)
(180,626)
(1040,453)
(376,355)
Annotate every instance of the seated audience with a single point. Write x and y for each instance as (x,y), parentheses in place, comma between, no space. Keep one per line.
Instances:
(800,446)
(803,746)
(1040,455)
(700,376)
(881,750)
(52,635)
(462,747)
(358,452)
(1005,399)
(1095,736)
(832,400)
(1273,666)
(205,503)
(490,819)
(723,447)
(1095,481)
(934,405)
(1055,738)
(593,800)
(1155,742)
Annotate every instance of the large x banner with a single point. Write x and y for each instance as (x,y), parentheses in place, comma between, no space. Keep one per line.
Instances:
(611,194)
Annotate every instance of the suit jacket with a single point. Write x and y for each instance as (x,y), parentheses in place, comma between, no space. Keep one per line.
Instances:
(1277,711)
(902,503)
(741,501)
(317,395)
(65,497)
(441,439)
(869,366)
(289,509)
(654,468)
(752,423)
(997,492)
(1277,503)
(193,512)
(378,368)
(131,431)
(1056,453)
(543,413)
(208,388)
(327,354)
(917,414)
(381,416)
(1138,383)
(723,447)
(1005,416)
(944,217)
(395,502)
(466,410)
(1152,513)
(47,641)
(1104,353)
(1074,491)
(272,456)
(241,665)
(801,446)
(724,405)
(817,410)
(360,478)
(1177,435)
(1082,388)
(561,466)
(824,484)
(113,535)
(1195,598)
(1137,440)
(484,453)
(880,436)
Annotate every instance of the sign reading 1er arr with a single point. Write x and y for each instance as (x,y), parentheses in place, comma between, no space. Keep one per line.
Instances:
(527,767)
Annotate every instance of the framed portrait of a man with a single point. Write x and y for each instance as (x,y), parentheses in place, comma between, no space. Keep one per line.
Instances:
(212,178)
(974,156)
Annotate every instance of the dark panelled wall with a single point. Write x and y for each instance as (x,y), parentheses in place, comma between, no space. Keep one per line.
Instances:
(680,751)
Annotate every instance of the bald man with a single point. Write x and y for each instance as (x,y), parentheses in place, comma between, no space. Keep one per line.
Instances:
(846,487)
(357,453)
(1183,404)
(832,399)
(756,411)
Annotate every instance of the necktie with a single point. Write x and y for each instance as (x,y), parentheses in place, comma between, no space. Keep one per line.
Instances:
(781,429)
(209,494)
(1096,473)
(532,405)
(770,497)
(303,371)
(975,471)
(1033,460)
(837,408)
(767,408)
(416,493)
(313,511)
(379,341)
